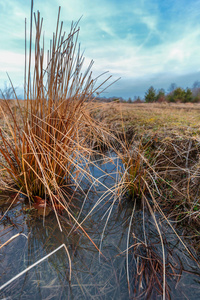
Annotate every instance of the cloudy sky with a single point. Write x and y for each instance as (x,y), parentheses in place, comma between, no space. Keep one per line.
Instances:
(145,42)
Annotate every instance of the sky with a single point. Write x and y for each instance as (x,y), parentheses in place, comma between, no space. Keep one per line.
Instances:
(143,42)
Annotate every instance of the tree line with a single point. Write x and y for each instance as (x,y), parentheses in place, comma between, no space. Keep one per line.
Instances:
(175,94)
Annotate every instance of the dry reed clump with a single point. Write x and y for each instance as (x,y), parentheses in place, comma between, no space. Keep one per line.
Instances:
(177,164)
(135,170)
(43,142)
(171,169)
(138,168)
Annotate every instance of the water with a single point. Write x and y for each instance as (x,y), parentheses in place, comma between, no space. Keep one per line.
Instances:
(94,276)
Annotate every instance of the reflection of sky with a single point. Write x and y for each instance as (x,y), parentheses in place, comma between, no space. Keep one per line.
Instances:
(146,42)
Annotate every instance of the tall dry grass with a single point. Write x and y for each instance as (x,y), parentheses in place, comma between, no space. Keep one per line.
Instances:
(43,140)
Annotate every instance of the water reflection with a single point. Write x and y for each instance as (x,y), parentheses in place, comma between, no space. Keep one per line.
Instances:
(94,276)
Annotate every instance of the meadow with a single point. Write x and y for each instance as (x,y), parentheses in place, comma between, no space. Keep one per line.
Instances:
(165,119)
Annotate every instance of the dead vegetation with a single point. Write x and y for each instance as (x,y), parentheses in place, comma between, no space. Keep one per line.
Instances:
(164,139)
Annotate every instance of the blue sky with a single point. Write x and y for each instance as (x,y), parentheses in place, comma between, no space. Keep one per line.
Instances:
(145,42)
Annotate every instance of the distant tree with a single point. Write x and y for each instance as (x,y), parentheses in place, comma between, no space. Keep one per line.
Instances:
(179,94)
(129,100)
(137,100)
(188,95)
(160,97)
(196,99)
(196,84)
(162,91)
(7,92)
(170,98)
(176,96)
(150,95)
(172,87)
(196,94)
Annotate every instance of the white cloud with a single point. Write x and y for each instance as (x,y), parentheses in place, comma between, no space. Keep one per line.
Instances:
(133,39)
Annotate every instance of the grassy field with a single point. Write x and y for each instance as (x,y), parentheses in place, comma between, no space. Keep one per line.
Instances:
(166,120)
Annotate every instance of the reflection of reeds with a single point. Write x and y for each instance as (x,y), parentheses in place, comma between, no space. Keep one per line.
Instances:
(147,274)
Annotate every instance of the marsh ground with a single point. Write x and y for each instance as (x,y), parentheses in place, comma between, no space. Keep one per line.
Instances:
(169,137)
